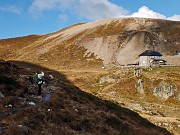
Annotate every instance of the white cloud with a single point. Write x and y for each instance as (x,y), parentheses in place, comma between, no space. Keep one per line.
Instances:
(145,12)
(174,18)
(11,9)
(89,9)
(101,9)
(92,9)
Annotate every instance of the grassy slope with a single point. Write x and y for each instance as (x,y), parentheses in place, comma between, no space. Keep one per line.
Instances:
(124,92)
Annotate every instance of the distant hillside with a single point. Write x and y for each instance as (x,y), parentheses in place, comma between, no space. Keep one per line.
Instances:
(65,109)
(94,44)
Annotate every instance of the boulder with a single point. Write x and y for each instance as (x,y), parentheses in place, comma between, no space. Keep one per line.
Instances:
(164,90)
(139,86)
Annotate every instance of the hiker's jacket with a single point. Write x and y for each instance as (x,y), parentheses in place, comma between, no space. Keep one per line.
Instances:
(40,78)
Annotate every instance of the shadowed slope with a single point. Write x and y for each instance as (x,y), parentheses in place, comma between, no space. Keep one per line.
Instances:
(68,110)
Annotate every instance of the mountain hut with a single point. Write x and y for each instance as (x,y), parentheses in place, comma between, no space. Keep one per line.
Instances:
(151,58)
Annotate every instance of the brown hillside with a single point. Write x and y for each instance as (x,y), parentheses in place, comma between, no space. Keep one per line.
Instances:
(111,41)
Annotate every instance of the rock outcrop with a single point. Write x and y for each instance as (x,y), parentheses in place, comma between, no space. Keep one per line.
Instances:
(164,90)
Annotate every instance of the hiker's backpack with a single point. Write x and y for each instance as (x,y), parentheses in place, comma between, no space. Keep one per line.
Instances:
(35,78)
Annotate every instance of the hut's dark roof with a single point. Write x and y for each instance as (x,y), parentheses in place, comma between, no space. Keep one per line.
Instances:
(150,53)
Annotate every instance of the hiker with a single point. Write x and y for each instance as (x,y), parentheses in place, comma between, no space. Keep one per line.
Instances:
(40,82)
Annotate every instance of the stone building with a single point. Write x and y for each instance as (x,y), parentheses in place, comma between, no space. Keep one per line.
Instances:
(151,58)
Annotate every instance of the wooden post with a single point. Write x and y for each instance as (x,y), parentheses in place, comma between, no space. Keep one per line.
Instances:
(137,72)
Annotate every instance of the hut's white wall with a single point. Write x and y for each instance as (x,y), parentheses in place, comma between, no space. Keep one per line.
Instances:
(144,61)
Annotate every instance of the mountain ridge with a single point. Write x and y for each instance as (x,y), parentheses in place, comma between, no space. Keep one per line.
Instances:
(118,41)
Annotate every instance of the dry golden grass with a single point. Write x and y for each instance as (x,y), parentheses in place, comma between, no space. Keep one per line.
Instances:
(124,92)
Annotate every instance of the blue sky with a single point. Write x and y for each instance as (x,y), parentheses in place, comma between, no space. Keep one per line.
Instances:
(26,17)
